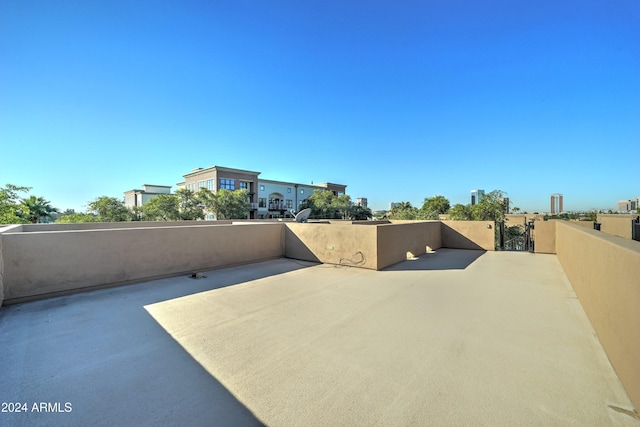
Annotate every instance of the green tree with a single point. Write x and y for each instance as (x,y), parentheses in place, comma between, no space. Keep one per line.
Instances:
(491,207)
(11,211)
(37,209)
(232,204)
(433,207)
(342,205)
(72,217)
(164,207)
(320,203)
(403,211)
(109,209)
(191,206)
(360,213)
(460,212)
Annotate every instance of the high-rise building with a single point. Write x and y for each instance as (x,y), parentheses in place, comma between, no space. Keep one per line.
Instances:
(556,204)
(476,196)
(362,201)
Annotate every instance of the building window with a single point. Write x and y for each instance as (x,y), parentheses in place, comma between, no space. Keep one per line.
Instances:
(191,186)
(211,185)
(262,203)
(288,190)
(227,184)
(262,188)
(244,185)
(289,204)
(302,191)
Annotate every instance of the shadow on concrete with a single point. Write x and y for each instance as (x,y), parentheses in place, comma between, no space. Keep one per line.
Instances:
(442,259)
(103,354)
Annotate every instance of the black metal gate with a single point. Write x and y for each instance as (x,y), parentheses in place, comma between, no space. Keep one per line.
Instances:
(516,238)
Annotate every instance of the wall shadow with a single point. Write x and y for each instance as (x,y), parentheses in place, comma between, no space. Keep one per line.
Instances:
(442,259)
(103,352)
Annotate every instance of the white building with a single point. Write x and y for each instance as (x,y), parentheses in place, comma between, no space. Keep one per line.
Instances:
(277,199)
(139,197)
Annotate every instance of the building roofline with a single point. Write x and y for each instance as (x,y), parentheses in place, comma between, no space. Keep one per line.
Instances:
(199,171)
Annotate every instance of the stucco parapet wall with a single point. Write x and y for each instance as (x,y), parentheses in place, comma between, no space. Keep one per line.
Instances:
(604,271)
(38,264)
(379,245)
(617,224)
(28,228)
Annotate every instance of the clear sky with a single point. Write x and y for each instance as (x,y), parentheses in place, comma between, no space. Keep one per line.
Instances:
(399,100)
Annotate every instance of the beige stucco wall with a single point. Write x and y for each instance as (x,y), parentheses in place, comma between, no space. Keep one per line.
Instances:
(43,263)
(332,243)
(617,225)
(401,237)
(27,228)
(544,237)
(469,235)
(521,219)
(604,271)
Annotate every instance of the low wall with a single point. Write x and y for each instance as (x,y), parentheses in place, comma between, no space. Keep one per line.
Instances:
(379,245)
(43,260)
(38,264)
(479,235)
(332,243)
(28,228)
(399,238)
(604,271)
(617,225)
(544,237)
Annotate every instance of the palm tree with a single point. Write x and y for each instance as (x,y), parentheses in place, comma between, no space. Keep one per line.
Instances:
(37,208)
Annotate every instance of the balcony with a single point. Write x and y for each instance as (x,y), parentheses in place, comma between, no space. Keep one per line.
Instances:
(278,207)
(502,338)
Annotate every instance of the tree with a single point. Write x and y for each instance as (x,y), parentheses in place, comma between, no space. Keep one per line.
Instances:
(11,211)
(360,213)
(403,211)
(72,217)
(164,207)
(37,208)
(232,204)
(490,207)
(433,207)
(109,209)
(460,212)
(191,207)
(320,203)
(342,205)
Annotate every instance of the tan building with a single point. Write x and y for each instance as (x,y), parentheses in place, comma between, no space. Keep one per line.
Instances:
(268,198)
(139,197)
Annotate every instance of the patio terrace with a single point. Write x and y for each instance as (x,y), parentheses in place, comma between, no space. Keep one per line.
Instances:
(455,337)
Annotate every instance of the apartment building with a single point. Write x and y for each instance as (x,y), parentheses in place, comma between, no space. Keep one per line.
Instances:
(138,197)
(268,198)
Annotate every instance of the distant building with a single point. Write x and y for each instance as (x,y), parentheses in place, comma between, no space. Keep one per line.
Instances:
(476,196)
(268,198)
(140,197)
(393,205)
(556,204)
(362,201)
(623,205)
(505,203)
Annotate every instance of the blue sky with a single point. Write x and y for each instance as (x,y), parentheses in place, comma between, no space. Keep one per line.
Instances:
(398,100)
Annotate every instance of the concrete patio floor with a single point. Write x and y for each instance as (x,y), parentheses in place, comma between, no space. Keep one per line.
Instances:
(453,338)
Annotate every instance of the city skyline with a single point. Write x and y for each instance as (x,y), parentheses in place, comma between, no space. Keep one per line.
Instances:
(399,102)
